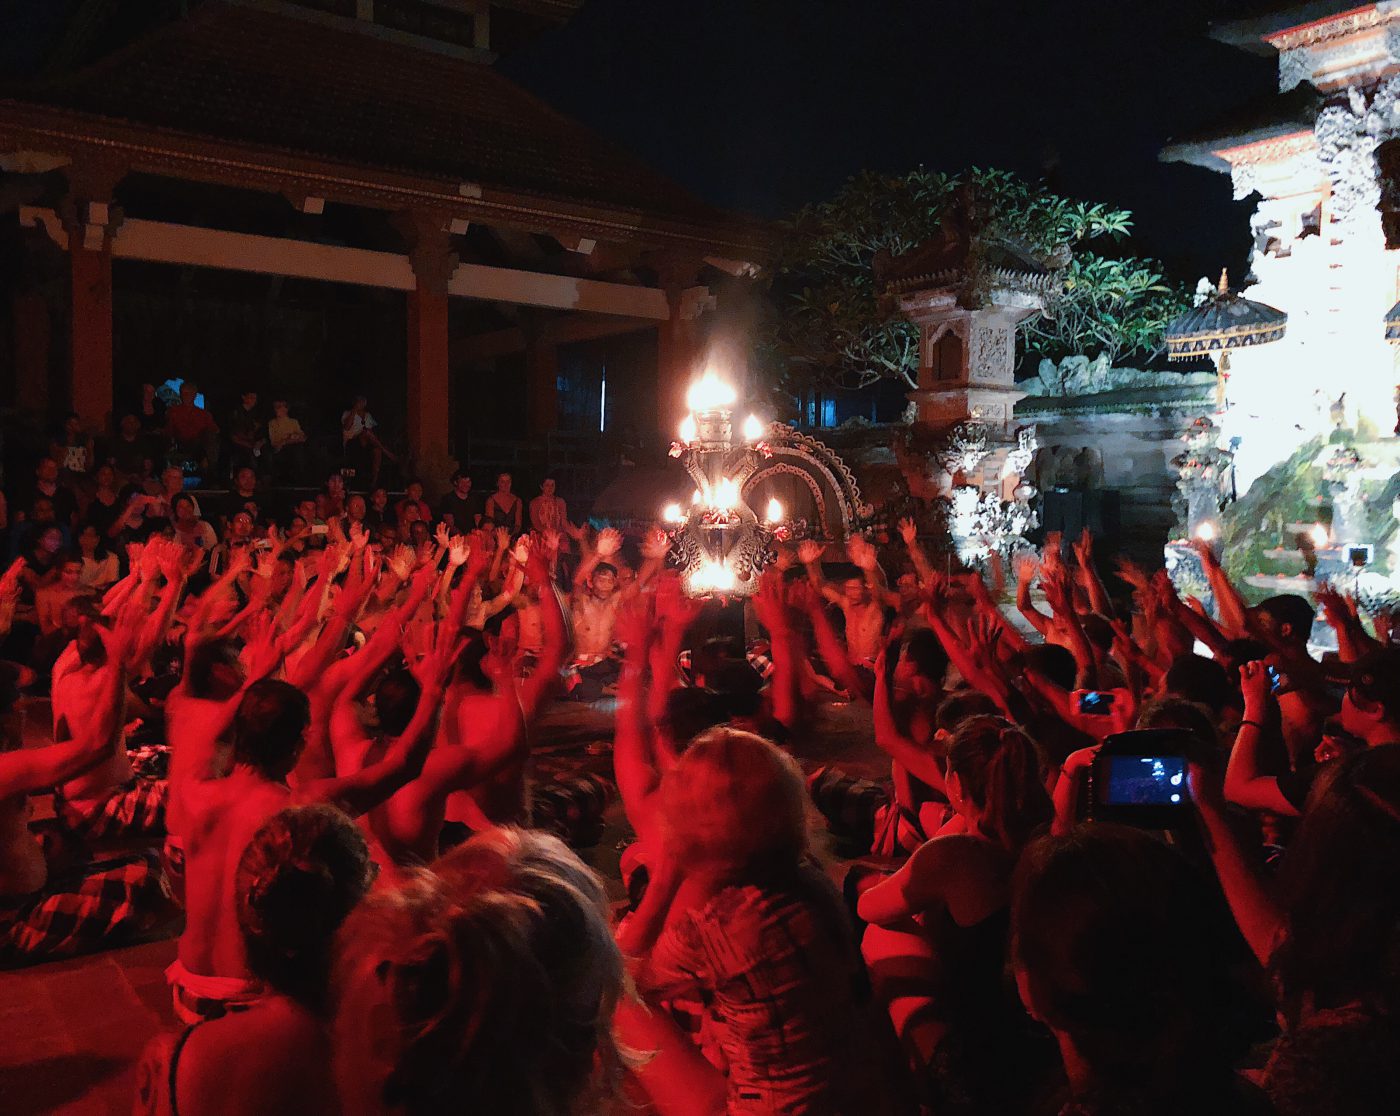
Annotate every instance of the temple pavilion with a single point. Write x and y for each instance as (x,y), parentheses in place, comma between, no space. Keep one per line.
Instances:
(323,197)
(1322,161)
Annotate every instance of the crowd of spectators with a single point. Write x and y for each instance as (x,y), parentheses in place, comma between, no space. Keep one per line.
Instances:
(1134,855)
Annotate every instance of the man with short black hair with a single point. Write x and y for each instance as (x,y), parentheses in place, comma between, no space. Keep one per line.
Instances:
(1371,707)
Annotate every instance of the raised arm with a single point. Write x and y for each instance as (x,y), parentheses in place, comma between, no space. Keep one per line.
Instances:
(909,532)
(604,547)
(31,769)
(809,553)
(921,764)
(1234,615)
(634,762)
(1246,784)
(1089,578)
(402,761)
(772,612)
(1026,568)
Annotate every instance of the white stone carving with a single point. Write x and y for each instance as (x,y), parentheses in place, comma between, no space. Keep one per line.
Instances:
(1295,66)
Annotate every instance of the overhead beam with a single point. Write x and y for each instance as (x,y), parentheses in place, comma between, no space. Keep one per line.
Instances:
(505,342)
(188,245)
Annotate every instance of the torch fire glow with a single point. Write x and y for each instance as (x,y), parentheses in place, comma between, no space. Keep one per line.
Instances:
(1206,531)
(1319,536)
(709,393)
(672,513)
(687,432)
(753,428)
(774,514)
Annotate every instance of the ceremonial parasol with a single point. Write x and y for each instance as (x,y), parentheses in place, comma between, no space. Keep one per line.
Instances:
(1222,322)
(1392,323)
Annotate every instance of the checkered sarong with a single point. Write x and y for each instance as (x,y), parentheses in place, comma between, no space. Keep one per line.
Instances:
(137,808)
(82,911)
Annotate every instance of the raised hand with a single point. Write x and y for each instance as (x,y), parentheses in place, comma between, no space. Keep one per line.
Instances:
(1083,548)
(908,531)
(861,552)
(193,557)
(359,537)
(1027,566)
(656,545)
(402,561)
(10,583)
(673,608)
(262,650)
(1254,686)
(1132,574)
(809,552)
(457,550)
(609,542)
(442,537)
(502,538)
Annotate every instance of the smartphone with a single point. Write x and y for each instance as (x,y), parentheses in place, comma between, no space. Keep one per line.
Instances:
(1096,704)
(320,529)
(1276,680)
(1142,780)
(263,544)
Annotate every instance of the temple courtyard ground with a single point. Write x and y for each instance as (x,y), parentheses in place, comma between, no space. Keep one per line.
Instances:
(71,1031)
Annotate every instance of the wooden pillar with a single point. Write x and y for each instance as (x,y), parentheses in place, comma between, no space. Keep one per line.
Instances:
(678,340)
(429,410)
(90,220)
(542,384)
(90,369)
(32,344)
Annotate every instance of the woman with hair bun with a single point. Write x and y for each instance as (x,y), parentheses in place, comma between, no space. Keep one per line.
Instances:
(936,943)
(302,873)
(738,918)
(485,983)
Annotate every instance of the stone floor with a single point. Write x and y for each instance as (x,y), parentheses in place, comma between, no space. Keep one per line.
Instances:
(70,1031)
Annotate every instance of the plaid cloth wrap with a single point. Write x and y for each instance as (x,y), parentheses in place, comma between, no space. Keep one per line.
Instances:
(137,808)
(85,910)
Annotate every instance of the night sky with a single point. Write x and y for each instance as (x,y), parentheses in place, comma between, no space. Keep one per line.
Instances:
(763,105)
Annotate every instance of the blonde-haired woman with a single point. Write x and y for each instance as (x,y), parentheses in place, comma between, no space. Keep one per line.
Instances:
(485,983)
(739,918)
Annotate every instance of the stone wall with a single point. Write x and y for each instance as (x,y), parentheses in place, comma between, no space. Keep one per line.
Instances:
(1114,431)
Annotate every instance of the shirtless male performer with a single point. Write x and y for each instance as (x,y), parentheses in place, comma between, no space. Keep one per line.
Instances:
(858,597)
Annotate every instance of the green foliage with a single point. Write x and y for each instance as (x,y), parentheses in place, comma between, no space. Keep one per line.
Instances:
(829,327)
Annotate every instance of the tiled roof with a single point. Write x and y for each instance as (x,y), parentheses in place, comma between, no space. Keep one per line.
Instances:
(263,79)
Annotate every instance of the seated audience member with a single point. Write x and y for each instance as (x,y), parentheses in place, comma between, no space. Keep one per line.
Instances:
(193,433)
(1117,952)
(330,501)
(106,503)
(358,431)
(936,943)
(50,599)
(302,873)
(244,497)
(734,915)
(100,567)
(47,487)
(491,975)
(150,410)
(247,433)
(131,452)
(458,508)
(74,450)
(287,441)
(379,513)
(412,508)
(503,508)
(56,911)
(548,512)
(190,529)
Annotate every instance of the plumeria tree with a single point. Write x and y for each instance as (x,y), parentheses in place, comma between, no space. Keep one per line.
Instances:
(829,327)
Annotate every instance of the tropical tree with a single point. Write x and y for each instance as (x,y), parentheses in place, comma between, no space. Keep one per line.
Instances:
(829,327)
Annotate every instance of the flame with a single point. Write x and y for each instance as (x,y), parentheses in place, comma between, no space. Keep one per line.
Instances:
(695,499)
(1319,536)
(753,428)
(713,576)
(1206,531)
(726,495)
(775,511)
(688,430)
(710,393)
(672,513)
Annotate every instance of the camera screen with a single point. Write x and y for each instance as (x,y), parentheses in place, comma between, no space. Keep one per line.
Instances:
(1146,781)
(1095,703)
